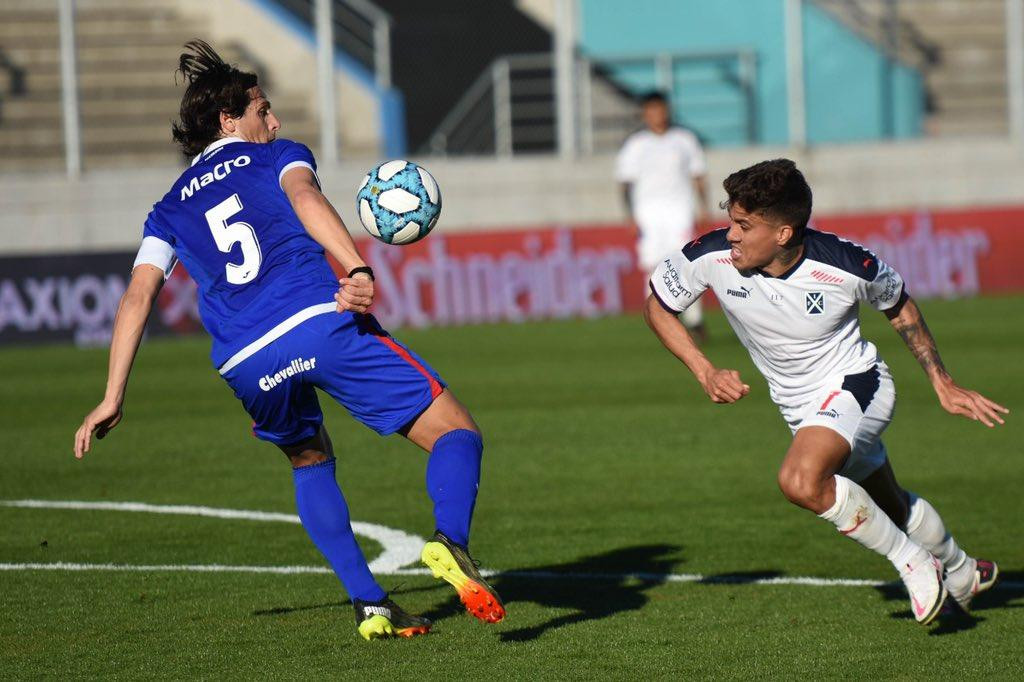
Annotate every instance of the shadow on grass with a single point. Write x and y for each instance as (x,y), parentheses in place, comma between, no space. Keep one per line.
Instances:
(281,610)
(397,589)
(953,619)
(607,584)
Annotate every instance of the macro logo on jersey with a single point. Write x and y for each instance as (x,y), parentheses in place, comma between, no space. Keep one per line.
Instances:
(815,302)
(296,366)
(673,282)
(219,172)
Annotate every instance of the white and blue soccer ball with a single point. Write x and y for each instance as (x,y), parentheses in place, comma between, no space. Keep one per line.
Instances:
(398,202)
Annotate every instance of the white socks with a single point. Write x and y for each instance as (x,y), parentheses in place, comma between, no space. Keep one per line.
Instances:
(925,527)
(857,516)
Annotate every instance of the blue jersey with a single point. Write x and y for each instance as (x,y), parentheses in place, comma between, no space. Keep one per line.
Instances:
(232,227)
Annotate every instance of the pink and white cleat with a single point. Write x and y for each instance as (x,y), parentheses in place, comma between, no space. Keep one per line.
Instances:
(983,577)
(923,578)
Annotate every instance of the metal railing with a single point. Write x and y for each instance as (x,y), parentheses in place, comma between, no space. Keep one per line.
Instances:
(510,108)
(732,73)
(15,76)
(881,23)
(361,28)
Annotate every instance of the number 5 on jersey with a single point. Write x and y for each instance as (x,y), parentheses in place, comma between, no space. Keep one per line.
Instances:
(226,235)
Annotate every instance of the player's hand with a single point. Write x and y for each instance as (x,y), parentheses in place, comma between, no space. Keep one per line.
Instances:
(724,386)
(970,404)
(100,421)
(355,293)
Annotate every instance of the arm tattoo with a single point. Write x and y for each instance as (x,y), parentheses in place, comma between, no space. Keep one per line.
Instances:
(911,327)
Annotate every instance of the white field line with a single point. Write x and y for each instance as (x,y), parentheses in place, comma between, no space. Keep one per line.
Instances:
(542,575)
(400,549)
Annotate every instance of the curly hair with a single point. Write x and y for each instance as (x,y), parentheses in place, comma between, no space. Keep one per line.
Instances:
(213,87)
(775,189)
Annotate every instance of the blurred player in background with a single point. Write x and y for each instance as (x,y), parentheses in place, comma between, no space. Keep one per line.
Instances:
(662,169)
(249,222)
(792,295)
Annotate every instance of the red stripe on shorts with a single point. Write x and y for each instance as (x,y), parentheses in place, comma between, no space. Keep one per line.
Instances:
(435,386)
(831,395)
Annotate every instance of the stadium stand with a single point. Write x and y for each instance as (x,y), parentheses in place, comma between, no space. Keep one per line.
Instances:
(126,58)
(966,80)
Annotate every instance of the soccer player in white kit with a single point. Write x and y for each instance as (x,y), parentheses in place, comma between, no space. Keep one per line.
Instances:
(661,168)
(791,294)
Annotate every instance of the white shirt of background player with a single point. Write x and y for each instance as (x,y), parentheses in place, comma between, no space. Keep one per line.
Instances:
(661,168)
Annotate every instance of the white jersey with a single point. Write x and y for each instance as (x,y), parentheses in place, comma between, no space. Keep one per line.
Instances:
(660,170)
(802,328)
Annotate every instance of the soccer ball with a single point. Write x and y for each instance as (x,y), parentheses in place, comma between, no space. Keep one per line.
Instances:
(398,202)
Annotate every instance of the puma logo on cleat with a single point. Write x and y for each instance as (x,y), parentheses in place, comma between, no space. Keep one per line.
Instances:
(378,610)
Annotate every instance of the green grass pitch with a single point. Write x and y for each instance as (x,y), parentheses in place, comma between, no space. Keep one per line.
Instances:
(603,457)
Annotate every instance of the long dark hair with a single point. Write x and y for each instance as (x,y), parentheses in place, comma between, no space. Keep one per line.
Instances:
(213,86)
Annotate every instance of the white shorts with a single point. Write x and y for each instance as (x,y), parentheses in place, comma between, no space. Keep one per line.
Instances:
(663,234)
(663,231)
(858,407)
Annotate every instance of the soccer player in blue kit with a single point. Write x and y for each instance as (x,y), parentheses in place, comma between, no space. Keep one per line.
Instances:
(249,222)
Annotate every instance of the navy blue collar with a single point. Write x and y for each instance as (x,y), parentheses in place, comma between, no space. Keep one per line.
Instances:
(791,269)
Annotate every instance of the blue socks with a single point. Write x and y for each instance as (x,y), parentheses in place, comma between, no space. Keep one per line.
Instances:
(325,517)
(453,476)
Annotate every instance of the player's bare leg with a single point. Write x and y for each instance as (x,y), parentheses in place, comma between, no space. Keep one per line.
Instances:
(445,414)
(325,516)
(447,431)
(881,485)
(965,576)
(808,478)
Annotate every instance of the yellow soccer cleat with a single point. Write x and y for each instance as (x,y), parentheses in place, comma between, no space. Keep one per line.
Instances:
(452,562)
(377,620)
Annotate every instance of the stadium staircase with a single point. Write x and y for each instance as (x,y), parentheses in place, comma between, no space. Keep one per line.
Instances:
(127,54)
(452,82)
(964,45)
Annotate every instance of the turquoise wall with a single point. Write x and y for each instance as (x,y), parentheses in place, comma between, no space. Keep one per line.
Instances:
(844,73)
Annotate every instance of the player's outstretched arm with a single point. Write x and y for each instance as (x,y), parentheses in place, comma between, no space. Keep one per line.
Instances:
(325,226)
(129,324)
(908,322)
(721,385)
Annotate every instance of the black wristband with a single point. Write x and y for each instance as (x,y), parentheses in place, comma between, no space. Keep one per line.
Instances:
(363,268)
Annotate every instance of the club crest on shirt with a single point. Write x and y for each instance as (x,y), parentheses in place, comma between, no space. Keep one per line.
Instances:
(815,302)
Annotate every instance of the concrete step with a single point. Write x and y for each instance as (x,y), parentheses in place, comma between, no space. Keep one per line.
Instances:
(989,125)
(969,106)
(46,27)
(38,56)
(138,39)
(129,131)
(968,90)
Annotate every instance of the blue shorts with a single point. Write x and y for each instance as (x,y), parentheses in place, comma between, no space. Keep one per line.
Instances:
(350,357)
